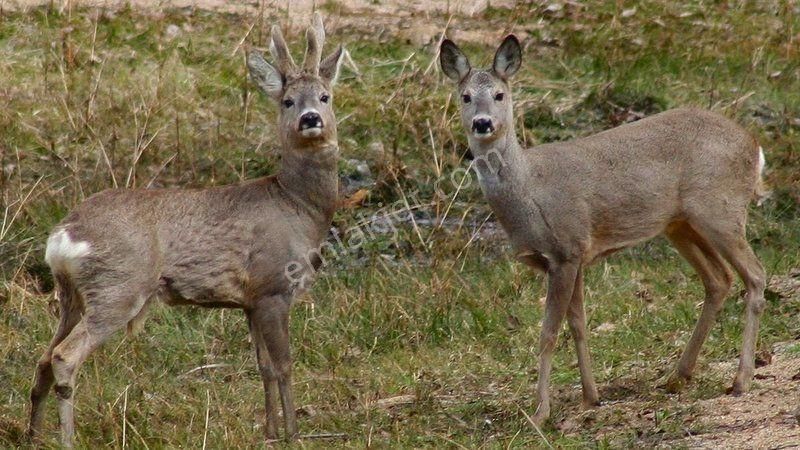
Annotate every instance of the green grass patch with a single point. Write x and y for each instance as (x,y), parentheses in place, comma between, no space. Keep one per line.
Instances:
(129,99)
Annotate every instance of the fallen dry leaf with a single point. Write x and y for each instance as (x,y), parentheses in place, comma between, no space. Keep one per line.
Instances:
(567,425)
(763,358)
(354,200)
(395,401)
(512,322)
(306,411)
(605,327)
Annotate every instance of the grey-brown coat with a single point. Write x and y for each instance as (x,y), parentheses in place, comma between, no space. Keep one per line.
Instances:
(246,246)
(688,174)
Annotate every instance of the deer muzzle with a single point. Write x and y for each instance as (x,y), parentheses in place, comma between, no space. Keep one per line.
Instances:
(482,126)
(311,124)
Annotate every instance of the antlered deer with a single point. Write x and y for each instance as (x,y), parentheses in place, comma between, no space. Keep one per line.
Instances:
(227,246)
(688,174)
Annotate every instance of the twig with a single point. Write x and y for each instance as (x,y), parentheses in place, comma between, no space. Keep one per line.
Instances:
(161,169)
(438,46)
(6,225)
(64,97)
(395,401)
(124,417)
(370,221)
(474,236)
(207,366)
(140,151)
(325,436)
(136,432)
(408,206)
(437,164)
(94,35)
(739,100)
(126,422)
(452,442)
(536,427)
(205,429)
(453,200)
(403,61)
(107,161)
(350,63)
(93,93)
(513,438)
(239,45)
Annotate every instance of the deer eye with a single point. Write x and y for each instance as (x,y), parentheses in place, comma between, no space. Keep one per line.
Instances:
(499,96)
(324,98)
(467,98)
(288,103)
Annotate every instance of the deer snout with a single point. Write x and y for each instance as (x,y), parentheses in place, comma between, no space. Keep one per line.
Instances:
(482,126)
(310,124)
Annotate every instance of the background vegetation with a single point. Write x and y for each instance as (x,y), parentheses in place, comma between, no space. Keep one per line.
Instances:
(426,338)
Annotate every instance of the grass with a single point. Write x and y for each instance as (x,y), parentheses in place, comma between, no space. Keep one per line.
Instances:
(96,100)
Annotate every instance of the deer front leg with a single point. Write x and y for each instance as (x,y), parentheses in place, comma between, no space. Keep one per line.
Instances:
(576,318)
(272,320)
(560,284)
(268,377)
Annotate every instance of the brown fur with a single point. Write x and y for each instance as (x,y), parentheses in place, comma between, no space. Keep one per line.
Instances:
(225,246)
(687,174)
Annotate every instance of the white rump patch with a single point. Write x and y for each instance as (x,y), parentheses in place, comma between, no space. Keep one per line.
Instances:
(762,194)
(63,254)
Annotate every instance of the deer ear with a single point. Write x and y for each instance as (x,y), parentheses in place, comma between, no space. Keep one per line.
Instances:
(508,57)
(329,68)
(269,79)
(453,61)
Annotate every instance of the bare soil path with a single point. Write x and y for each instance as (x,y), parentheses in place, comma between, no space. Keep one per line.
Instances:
(765,418)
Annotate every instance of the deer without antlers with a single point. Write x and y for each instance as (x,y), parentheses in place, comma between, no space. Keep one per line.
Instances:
(688,174)
(226,246)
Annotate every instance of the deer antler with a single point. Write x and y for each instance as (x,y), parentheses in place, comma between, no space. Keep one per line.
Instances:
(315,34)
(280,52)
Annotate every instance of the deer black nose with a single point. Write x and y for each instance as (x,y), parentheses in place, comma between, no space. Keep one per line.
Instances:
(310,119)
(482,125)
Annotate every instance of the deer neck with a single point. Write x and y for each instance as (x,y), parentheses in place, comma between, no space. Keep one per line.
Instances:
(497,162)
(309,177)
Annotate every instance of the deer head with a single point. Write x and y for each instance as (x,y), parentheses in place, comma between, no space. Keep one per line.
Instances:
(304,96)
(485,93)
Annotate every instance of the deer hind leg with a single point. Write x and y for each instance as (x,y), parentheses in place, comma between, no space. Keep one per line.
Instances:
(268,377)
(576,318)
(71,311)
(560,283)
(106,313)
(728,238)
(717,280)
(272,316)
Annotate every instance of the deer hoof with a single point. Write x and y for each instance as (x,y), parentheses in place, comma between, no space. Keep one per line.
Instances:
(540,418)
(676,383)
(738,388)
(590,403)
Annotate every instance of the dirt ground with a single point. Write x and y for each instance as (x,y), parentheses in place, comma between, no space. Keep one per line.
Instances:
(295,8)
(765,418)
(406,18)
